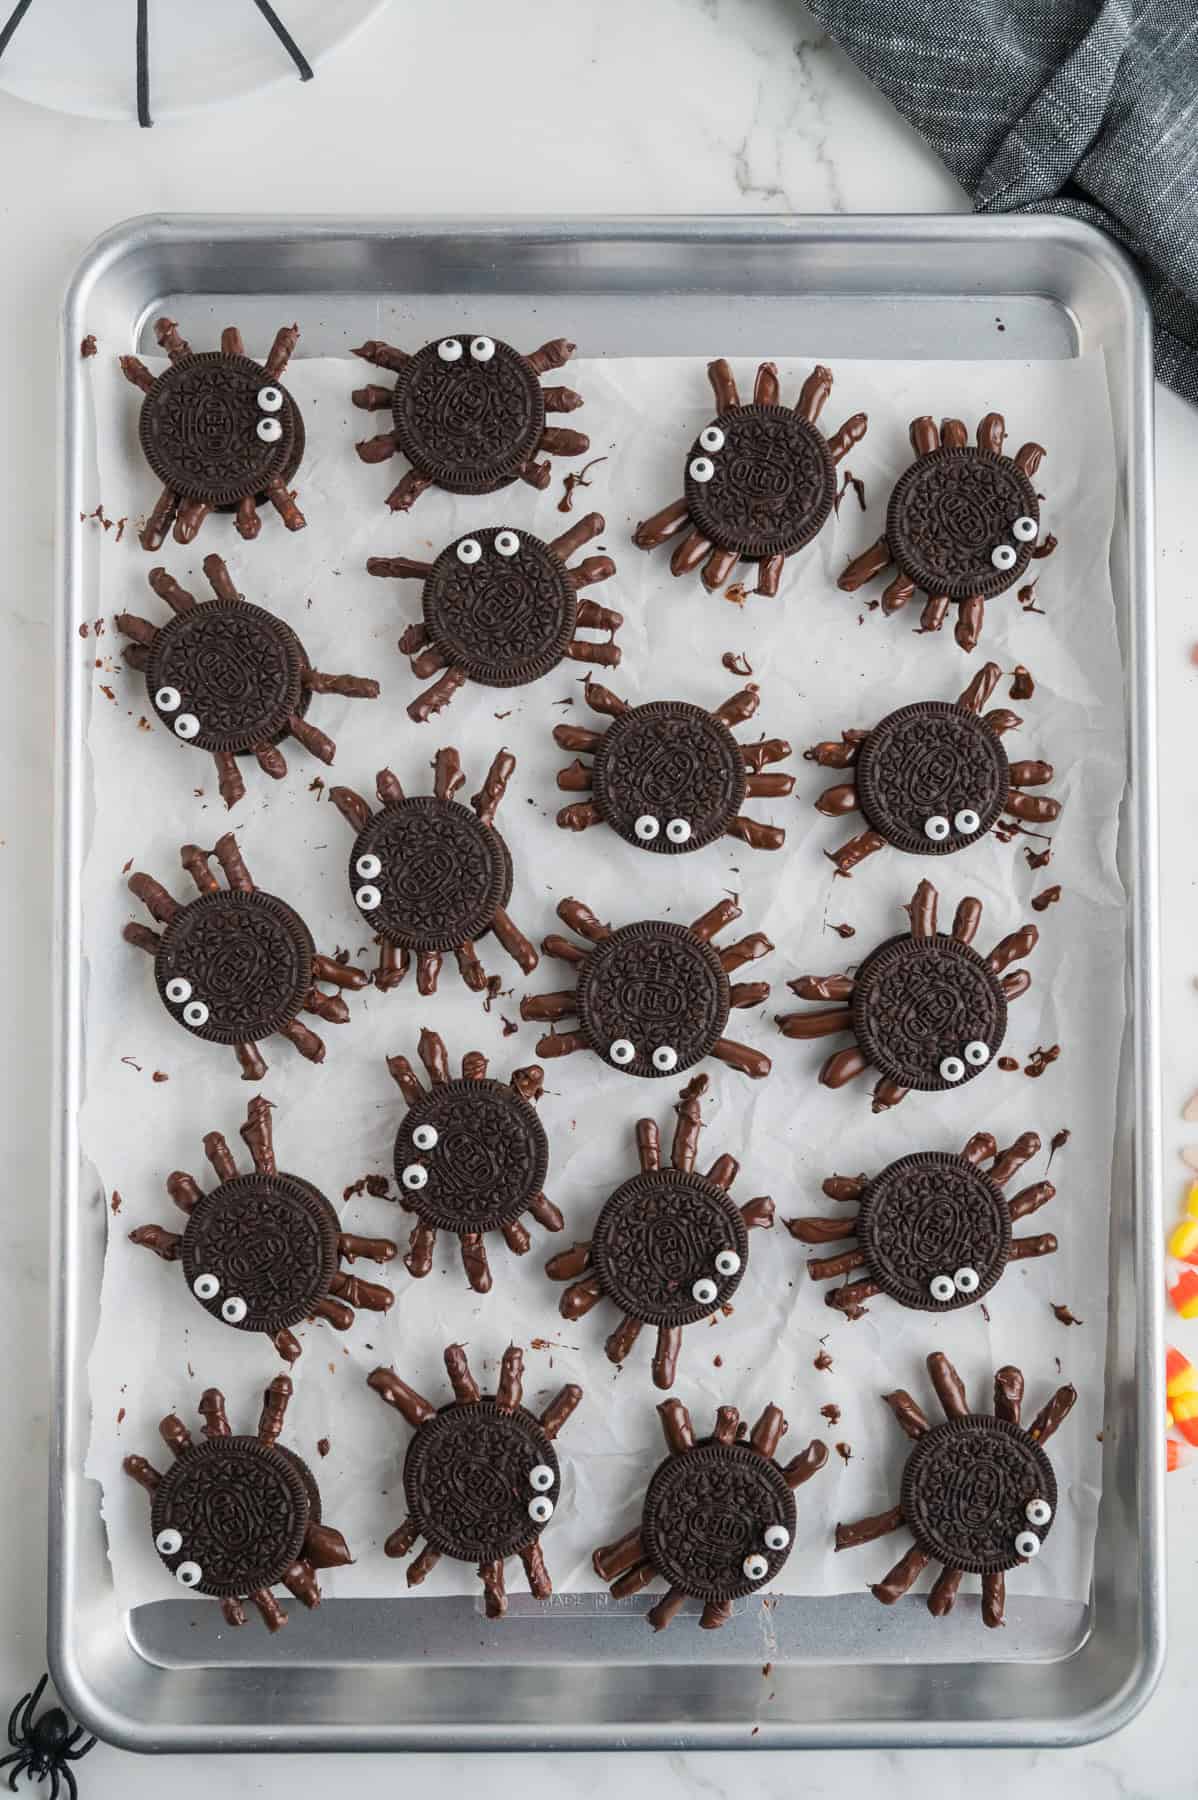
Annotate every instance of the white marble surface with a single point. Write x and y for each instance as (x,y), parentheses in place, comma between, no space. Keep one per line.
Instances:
(677,106)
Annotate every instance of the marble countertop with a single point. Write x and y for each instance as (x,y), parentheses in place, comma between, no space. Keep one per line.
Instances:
(676,106)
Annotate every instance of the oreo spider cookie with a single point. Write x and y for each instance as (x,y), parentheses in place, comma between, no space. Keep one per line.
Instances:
(481,1480)
(669,1248)
(231,1515)
(227,676)
(468,413)
(760,480)
(653,998)
(712,1518)
(260,1250)
(971,1487)
(217,428)
(963,521)
(235,966)
(668,777)
(500,606)
(927,1011)
(470,1155)
(932,778)
(428,874)
(934,1231)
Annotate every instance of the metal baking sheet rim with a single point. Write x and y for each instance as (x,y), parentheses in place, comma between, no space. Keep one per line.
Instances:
(72,1500)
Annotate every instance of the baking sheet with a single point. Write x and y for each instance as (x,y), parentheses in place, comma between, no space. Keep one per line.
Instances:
(845,665)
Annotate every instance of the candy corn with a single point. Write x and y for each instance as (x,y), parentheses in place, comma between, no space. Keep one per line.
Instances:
(1176,1455)
(1184,1294)
(1181,1390)
(1183,1242)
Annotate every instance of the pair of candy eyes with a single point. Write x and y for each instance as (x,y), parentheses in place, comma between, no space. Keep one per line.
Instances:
(368,896)
(755,1567)
(647,828)
(966,822)
(415,1176)
(701,468)
(232,1309)
(1037,1512)
(705,1290)
(178,992)
(623,1052)
(1005,556)
(540,1507)
(482,349)
(469,550)
(946,1287)
(270,402)
(977,1055)
(186,726)
(169,1543)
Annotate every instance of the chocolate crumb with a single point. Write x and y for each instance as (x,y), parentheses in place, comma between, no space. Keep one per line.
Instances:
(1037,859)
(717,1362)
(377,1186)
(567,702)
(984,1310)
(823,1362)
(767,1670)
(1065,1316)
(495,991)
(89,346)
(1059,1140)
(572,481)
(858,486)
(1027,597)
(127,866)
(845,1452)
(1008,1064)
(322,1446)
(107,691)
(1099,1436)
(115,1201)
(143,724)
(1041,1059)
(504,715)
(160,1075)
(83,629)
(843,931)
(316,785)
(120,1418)
(736,662)
(831,1412)
(1023,684)
(510,1027)
(1050,896)
(129,1063)
(738,593)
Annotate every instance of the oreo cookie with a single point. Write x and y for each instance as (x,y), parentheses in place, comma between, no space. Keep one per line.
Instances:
(669,777)
(967,1488)
(218,428)
(934,1232)
(487,1159)
(428,874)
(932,778)
(653,998)
(240,1510)
(235,966)
(500,606)
(766,488)
(707,1513)
(468,413)
(928,1012)
(260,1251)
(664,1246)
(951,511)
(227,676)
(468,1480)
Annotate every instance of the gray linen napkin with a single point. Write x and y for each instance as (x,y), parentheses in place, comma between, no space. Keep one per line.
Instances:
(1083,107)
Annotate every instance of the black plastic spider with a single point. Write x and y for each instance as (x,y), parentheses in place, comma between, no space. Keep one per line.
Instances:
(43,1746)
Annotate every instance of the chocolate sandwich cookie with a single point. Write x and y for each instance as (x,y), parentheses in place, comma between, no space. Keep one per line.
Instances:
(262,1252)
(238,964)
(652,997)
(501,608)
(234,1517)
(481,1475)
(760,480)
(471,1157)
(669,776)
(962,526)
(932,1231)
(978,1493)
(668,1249)
(220,432)
(429,875)
(469,415)
(925,1009)
(231,678)
(931,778)
(719,1518)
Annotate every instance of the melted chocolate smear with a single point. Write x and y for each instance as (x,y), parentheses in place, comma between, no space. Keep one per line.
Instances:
(120,1418)
(1027,597)
(831,1412)
(717,1362)
(845,1452)
(1041,1059)
(377,1186)
(1065,1316)
(1023,685)
(1037,859)
(823,1362)
(1050,896)
(738,593)
(83,629)
(858,487)
(316,785)
(129,1063)
(160,1075)
(495,991)
(1008,1064)
(984,1310)
(322,1446)
(510,1027)
(842,931)
(1044,549)
(1059,1140)
(736,662)
(582,479)
(115,1202)
(89,346)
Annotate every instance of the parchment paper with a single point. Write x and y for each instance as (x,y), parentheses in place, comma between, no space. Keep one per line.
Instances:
(824,661)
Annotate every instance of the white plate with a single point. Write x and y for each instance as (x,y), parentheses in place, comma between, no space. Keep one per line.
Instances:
(77,56)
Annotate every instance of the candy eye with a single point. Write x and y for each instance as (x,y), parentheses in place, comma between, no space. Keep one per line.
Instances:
(469,551)
(952,1069)
(270,399)
(425,1137)
(665,1058)
(1004,556)
(540,1509)
(368,867)
(269,430)
(1037,1512)
(205,1287)
(678,831)
(776,1537)
(541,1478)
(414,1177)
(189,1574)
(169,1542)
(195,1013)
(178,990)
(187,726)
(507,543)
(727,1263)
(368,898)
(1027,1545)
(936,828)
(967,1281)
(966,822)
(1024,529)
(977,1054)
(622,1052)
(646,828)
(482,349)
(942,1288)
(233,1310)
(450,350)
(705,1291)
(755,1567)
(168,699)
(701,468)
(712,438)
